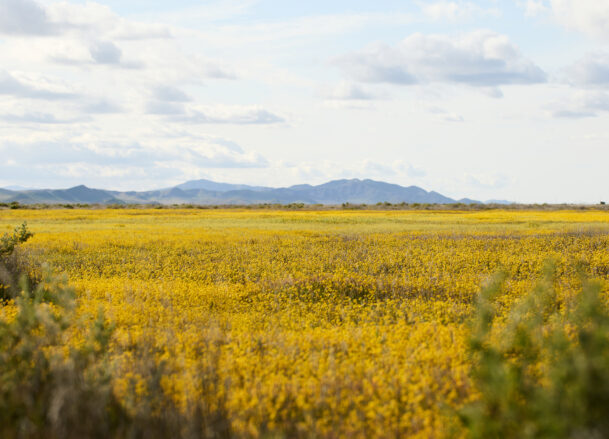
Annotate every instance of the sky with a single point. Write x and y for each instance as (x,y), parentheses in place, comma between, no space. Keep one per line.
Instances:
(487,99)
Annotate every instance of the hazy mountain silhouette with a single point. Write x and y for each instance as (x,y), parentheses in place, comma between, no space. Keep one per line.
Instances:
(209,192)
(209,185)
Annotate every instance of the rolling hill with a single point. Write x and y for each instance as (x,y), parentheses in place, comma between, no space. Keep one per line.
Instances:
(208,192)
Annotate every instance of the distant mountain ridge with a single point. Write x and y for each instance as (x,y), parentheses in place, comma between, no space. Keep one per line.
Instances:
(218,187)
(209,192)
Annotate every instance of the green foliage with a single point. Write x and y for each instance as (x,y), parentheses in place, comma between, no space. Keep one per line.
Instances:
(10,263)
(543,371)
(8,242)
(51,389)
(47,389)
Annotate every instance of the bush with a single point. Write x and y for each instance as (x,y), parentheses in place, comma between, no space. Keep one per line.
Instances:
(9,242)
(544,371)
(48,389)
(56,373)
(10,265)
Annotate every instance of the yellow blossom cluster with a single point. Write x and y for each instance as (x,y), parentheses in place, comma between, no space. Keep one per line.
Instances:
(306,323)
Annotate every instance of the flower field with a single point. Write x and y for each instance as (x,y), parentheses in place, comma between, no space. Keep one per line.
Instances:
(305,323)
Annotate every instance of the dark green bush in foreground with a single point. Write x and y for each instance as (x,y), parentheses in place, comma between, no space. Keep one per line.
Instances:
(9,242)
(11,266)
(543,372)
(44,390)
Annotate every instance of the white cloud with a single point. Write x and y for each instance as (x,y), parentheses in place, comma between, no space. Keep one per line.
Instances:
(100,53)
(446,115)
(101,106)
(92,157)
(97,107)
(95,20)
(106,52)
(24,17)
(76,34)
(589,77)
(487,181)
(346,90)
(117,60)
(167,100)
(481,58)
(164,108)
(572,114)
(588,16)
(581,104)
(41,118)
(300,27)
(177,106)
(534,8)
(493,92)
(168,93)
(238,115)
(32,87)
(415,172)
(324,170)
(597,101)
(590,71)
(28,17)
(454,11)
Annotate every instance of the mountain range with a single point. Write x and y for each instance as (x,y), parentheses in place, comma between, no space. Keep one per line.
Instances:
(209,192)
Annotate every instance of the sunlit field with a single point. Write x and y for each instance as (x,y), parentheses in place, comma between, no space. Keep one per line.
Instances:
(305,323)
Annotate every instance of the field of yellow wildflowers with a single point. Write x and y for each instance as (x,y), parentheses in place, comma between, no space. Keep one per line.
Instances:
(305,323)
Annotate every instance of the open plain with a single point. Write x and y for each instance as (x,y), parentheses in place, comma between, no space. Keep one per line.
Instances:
(304,323)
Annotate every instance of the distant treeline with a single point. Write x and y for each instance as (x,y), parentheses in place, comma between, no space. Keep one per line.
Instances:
(315,207)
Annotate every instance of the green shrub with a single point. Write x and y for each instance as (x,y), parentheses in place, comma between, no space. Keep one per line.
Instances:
(52,387)
(46,389)
(19,236)
(11,266)
(542,372)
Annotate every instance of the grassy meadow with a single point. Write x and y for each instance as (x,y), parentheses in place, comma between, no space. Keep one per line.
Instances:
(303,323)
